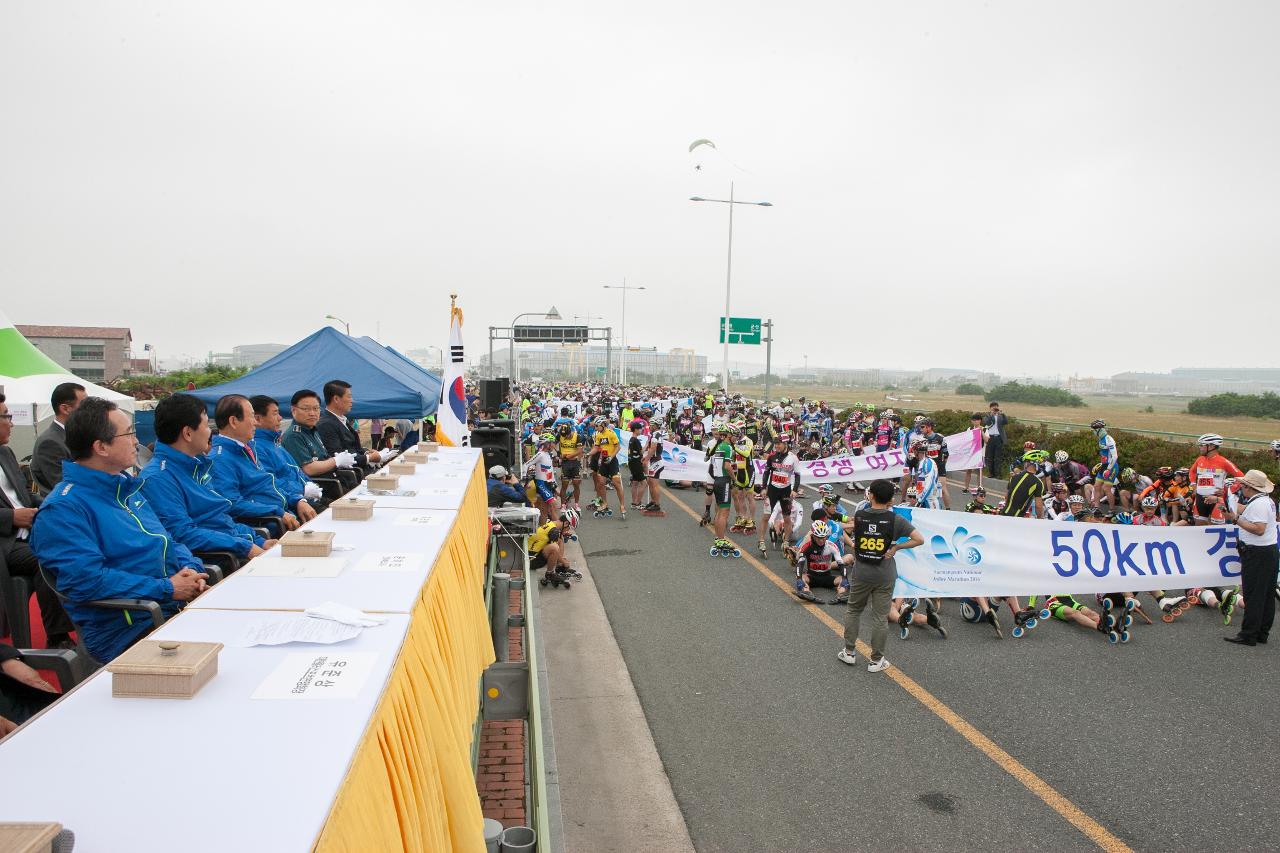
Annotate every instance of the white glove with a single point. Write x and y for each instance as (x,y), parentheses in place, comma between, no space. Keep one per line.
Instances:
(311,490)
(346,459)
(335,612)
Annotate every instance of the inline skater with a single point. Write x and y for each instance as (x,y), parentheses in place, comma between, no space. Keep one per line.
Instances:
(570,444)
(605,446)
(636,466)
(816,558)
(720,469)
(653,471)
(979,503)
(743,477)
(543,471)
(926,476)
(937,449)
(1149,516)
(781,478)
(1208,476)
(1026,491)
(1070,473)
(1108,470)
(1058,506)
(1132,485)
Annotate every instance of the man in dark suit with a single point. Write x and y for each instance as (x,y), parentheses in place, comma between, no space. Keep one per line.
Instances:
(17,513)
(997,427)
(334,428)
(51,446)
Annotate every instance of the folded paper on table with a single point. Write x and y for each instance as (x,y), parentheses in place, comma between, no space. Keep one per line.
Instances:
(275,632)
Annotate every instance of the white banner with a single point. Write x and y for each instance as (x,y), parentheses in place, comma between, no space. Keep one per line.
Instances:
(966,554)
(686,463)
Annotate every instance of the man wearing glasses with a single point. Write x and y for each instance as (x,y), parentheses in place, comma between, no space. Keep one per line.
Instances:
(99,538)
(304,444)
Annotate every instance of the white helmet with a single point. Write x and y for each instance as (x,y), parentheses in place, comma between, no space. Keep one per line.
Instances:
(1061,456)
(1210,438)
(1275,445)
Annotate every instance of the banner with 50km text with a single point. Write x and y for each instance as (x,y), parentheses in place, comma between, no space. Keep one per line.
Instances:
(964,555)
(683,463)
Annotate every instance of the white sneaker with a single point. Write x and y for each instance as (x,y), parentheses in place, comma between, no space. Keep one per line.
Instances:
(847,656)
(878,665)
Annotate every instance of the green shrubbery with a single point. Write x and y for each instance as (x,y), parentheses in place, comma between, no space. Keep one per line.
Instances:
(1229,405)
(1038,395)
(969,389)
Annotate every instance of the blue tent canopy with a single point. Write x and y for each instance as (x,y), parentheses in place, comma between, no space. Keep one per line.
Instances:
(384,383)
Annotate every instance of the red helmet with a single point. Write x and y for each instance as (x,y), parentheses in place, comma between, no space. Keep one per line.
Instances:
(1029,445)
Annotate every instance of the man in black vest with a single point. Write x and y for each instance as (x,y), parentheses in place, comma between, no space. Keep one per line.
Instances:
(876,531)
(334,428)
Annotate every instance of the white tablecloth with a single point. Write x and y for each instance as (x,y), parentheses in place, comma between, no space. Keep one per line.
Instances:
(220,772)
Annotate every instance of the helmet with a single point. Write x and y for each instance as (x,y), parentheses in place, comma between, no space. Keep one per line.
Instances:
(1128,475)
(788,410)
(826,489)
(1275,445)
(599,421)
(912,491)
(820,529)
(1076,500)
(566,411)
(980,492)
(1098,424)
(1164,472)
(1182,472)
(1059,487)
(927,422)
(637,424)
(1211,438)
(1122,517)
(546,438)
(1150,502)
(917,444)
(1061,456)
(888,413)
(743,445)
(1028,445)
(782,436)
(1035,456)
(919,419)
(830,500)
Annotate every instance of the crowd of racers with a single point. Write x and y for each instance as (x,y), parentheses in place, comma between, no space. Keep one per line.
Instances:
(753,453)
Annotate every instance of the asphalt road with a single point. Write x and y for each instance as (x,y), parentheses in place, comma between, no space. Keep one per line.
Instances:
(1168,742)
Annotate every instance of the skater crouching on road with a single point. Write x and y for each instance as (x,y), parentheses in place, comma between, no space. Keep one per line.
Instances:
(877,530)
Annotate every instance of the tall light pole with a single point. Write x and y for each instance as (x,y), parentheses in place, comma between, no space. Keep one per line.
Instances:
(345,324)
(728,275)
(624,287)
(586,355)
(553,314)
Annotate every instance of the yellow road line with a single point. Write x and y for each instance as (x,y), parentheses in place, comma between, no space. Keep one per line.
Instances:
(1096,832)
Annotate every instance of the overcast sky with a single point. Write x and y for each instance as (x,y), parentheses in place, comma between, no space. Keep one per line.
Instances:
(1024,187)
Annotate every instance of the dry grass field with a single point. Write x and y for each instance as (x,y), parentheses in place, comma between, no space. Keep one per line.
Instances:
(1168,413)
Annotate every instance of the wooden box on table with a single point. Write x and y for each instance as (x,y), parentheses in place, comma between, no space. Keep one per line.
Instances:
(163,669)
(307,543)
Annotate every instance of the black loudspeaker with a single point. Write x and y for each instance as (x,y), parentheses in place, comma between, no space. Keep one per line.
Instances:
(497,443)
(493,393)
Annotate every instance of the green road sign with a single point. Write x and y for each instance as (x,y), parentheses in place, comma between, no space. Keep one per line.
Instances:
(742,330)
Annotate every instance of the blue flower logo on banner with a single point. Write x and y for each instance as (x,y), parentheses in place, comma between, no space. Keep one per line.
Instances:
(963,547)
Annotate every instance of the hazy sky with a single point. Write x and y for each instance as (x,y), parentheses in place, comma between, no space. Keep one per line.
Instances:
(1016,186)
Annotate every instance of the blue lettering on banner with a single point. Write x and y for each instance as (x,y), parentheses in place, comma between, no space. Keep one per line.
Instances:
(1226,536)
(1097,555)
(1089,536)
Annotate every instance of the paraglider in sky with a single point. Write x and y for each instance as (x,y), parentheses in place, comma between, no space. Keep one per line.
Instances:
(697,142)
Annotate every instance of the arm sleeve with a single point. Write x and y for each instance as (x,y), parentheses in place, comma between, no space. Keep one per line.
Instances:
(8,652)
(296,448)
(166,499)
(6,521)
(65,543)
(228,485)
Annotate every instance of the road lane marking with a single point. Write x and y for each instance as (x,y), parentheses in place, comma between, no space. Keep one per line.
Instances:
(1094,831)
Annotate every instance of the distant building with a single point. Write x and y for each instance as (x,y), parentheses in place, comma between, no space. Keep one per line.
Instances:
(1198,382)
(96,353)
(590,363)
(248,355)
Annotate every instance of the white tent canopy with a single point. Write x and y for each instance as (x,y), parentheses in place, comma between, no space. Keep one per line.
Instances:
(28,377)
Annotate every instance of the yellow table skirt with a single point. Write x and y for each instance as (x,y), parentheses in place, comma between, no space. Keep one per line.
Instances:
(410,784)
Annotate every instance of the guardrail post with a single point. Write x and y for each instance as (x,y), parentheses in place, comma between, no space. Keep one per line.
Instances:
(501,609)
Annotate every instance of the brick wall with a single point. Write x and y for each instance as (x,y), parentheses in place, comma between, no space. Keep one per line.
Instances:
(500,777)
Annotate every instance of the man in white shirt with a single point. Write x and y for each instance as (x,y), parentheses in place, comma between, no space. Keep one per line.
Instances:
(1255,514)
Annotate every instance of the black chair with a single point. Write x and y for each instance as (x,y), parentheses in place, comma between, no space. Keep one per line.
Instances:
(16,592)
(224,560)
(268,526)
(70,666)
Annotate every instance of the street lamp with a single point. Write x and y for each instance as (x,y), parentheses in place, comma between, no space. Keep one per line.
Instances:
(553,314)
(624,287)
(728,275)
(340,320)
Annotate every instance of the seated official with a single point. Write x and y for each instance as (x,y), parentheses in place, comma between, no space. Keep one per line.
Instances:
(99,537)
(51,447)
(23,693)
(274,458)
(504,487)
(179,483)
(238,475)
(18,509)
(335,429)
(303,442)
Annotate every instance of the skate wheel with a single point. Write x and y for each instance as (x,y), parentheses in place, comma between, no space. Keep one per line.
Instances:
(1193,599)
(1106,604)
(1124,636)
(1018,632)
(737,552)
(1126,622)
(1031,623)
(1113,637)
(566,584)
(904,632)
(714,551)
(1046,613)
(542,582)
(1168,617)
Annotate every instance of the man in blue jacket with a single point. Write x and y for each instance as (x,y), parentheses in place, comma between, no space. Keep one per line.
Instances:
(178,481)
(274,458)
(99,538)
(238,475)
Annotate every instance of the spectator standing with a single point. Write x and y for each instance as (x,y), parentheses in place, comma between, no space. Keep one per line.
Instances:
(18,508)
(51,446)
(996,425)
(877,531)
(1259,556)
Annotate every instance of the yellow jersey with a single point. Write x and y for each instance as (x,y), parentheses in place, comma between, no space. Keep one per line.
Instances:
(606,442)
